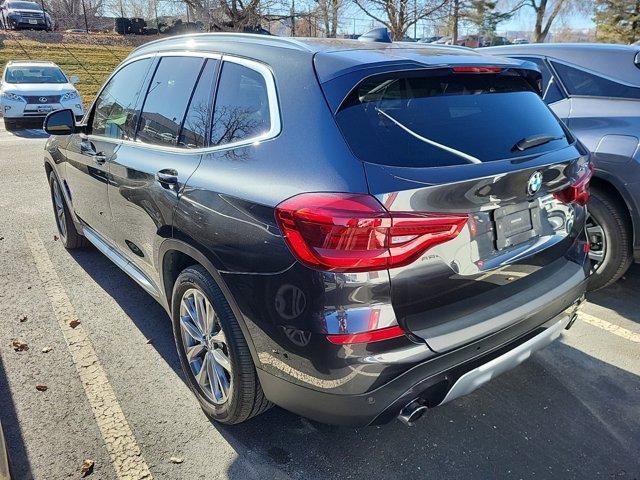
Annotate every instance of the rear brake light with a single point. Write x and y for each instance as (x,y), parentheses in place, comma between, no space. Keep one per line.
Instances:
(476,69)
(577,192)
(343,232)
(367,337)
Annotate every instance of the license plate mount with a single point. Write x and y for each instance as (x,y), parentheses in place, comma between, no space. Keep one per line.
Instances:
(33,21)
(44,108)
(516,224)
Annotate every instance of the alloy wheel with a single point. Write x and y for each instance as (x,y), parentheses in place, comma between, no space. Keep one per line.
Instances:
(58,204)
(205,346)
(597,241)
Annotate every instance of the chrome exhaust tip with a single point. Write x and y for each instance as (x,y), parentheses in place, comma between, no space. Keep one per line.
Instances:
(412,412)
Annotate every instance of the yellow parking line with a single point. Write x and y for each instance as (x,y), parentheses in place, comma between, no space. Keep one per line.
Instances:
(125,453)
(609,327)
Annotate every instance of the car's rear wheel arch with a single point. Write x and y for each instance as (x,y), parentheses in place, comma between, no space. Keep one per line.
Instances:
(174,257)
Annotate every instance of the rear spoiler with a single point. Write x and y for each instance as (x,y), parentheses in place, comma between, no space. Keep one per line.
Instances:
(338,88)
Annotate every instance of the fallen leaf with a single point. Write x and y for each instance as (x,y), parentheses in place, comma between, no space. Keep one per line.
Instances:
(74,323)
(46,349)
(42,388)
(55,238)
(176,459)
(19,345)
(87,467)
(23,319)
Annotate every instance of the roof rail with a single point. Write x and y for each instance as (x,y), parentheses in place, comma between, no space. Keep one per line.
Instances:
(230,36)
(380,34)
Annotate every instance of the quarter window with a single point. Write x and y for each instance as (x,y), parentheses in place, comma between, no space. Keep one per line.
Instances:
(241,107)
(550,90)
(167,99)
(579,82)
(196,123)
(115,114)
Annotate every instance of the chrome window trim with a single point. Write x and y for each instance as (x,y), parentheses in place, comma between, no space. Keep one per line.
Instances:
(261,68)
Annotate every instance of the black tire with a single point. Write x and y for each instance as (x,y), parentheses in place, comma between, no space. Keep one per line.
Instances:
(246,398)
(10,124)
(612,217)
(67,231)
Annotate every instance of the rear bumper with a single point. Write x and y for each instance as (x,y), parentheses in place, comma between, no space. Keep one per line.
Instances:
(431,383)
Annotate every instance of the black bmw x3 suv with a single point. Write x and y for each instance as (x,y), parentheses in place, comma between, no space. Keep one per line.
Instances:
(352,231)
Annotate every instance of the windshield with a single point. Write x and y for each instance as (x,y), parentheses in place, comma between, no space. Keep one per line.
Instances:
(24,6)
(441,118)
(35,74)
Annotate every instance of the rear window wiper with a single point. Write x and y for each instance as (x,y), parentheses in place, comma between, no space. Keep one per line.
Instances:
(534,141)
(458,153)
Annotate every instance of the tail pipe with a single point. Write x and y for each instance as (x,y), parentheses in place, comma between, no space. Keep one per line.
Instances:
(412,412)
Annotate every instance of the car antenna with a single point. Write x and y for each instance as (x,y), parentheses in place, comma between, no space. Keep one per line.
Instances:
(380,34)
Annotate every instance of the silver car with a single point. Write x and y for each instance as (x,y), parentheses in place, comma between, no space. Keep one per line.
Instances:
(595,89)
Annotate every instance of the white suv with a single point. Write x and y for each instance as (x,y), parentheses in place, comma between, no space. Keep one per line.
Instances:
(30,90)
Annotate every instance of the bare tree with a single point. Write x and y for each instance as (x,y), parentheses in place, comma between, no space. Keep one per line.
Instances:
(399,15)
(235,15)
(548,10)
(69,13)
(329,12)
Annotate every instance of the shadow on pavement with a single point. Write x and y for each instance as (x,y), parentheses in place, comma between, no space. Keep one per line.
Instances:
(150,318)
(18,459)
(622,296)
(562,414)
(30,132)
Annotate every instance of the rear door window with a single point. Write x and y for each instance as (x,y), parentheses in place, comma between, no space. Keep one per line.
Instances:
(579,82)
(439,118)
(241,109)
(167,99)
(198,118)
(115,113)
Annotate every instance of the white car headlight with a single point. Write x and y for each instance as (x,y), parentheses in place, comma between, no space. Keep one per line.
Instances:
(14,97)
(69,96)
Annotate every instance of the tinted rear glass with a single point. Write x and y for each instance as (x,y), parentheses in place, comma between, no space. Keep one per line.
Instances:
(579,82)
(439,118)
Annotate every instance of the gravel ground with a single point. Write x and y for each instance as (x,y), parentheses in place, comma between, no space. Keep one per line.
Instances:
(572,411)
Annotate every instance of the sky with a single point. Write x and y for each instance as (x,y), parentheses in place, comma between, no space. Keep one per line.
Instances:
(526,20)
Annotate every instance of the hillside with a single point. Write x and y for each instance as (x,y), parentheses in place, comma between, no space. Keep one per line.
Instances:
(91,57)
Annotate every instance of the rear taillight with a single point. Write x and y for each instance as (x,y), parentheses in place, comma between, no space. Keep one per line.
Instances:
(476,69)
(578,192)
(343,232)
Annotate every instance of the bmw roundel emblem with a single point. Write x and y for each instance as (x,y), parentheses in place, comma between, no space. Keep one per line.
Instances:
(535,183)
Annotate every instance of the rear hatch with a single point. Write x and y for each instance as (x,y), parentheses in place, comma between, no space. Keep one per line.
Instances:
(473,143)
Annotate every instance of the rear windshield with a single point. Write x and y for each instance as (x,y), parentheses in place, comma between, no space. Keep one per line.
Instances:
(440,118)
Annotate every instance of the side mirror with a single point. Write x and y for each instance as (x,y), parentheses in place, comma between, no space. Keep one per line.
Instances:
(60,122)
(74,79)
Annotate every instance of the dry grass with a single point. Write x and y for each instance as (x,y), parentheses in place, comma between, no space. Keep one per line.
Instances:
(91,62)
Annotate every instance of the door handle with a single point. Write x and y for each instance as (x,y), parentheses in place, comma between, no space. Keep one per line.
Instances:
(167,177)
(99,158)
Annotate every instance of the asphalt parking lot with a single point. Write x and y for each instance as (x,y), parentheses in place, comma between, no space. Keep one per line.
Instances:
(572,411)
